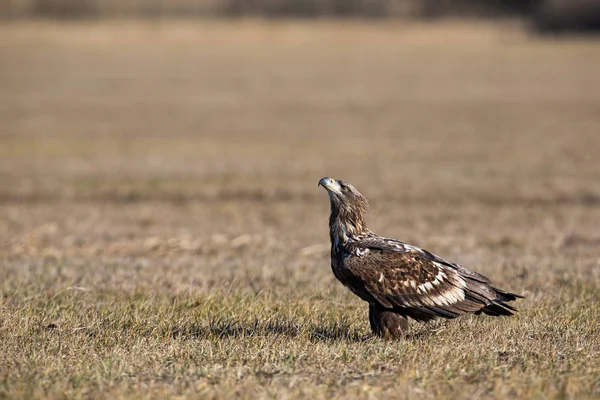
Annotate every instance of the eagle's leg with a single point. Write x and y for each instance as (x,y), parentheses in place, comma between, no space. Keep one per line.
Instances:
(386,323)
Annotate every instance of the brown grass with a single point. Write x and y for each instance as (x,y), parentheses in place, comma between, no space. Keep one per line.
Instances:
(162,234)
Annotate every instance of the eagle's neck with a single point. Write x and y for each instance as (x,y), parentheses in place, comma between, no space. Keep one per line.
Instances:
(345,227)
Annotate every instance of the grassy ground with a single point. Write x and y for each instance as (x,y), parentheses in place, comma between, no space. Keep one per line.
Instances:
(162,233)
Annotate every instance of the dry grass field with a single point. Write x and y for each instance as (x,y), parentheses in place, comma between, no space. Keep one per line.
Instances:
(162,234)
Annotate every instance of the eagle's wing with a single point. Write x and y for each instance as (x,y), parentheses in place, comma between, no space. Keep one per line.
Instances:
(420,284)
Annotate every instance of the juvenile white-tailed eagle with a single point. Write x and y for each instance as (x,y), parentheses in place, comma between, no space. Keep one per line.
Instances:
(399,280)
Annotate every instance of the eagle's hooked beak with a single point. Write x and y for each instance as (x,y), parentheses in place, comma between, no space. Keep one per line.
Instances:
(331,185)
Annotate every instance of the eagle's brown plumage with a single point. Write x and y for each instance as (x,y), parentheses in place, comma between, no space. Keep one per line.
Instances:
(399,280)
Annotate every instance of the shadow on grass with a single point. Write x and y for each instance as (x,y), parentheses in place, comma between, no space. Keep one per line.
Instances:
(237,329)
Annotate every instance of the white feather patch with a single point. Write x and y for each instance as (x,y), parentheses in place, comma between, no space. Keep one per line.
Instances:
(361,252)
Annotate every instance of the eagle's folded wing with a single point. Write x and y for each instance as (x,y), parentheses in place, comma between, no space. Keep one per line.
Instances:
(403,277)
(382,243)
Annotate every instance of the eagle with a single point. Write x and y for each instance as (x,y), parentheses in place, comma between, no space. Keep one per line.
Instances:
(399,280)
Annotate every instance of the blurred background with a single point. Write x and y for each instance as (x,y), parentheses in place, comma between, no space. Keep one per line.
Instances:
(543,15)
(133,127)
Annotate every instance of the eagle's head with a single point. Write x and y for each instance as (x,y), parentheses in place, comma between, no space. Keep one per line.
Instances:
(348,208)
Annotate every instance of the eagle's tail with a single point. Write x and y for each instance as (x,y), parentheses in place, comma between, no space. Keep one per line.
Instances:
(499,306)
